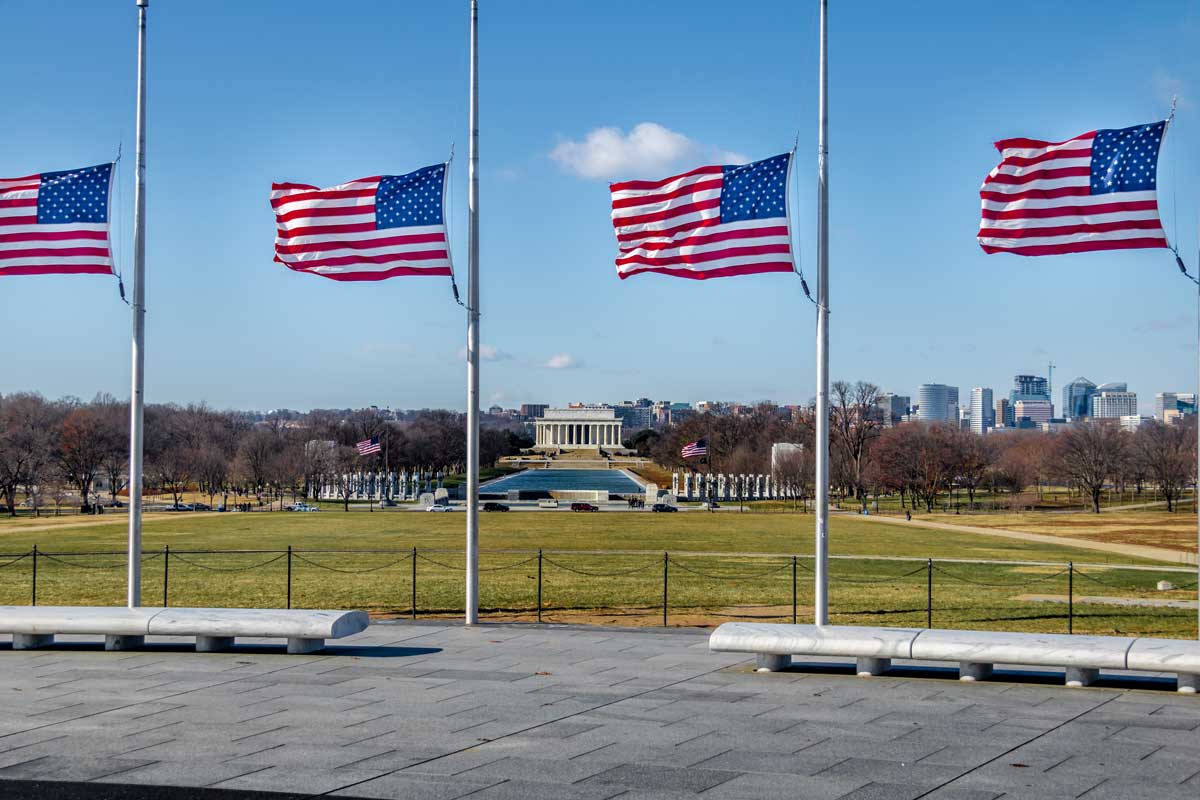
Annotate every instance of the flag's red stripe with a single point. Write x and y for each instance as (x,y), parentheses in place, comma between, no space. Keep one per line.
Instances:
(659,216)
(395,272)
(20,187)
(392,258)
(1006,144)
(1041,175)
(701,258)
(37,177)
(20,202)
(1045,194)
(360,244)
(283,187)
(52,236)
(51,252)
(1051,155)
(712,238)
(1068,230)
(635,186)
(682,191)
(345,211)
(1071,211)
(326,230)
(59,269)
(703,274)
(18,220)
(322,194)
(1078,247)
(627,238)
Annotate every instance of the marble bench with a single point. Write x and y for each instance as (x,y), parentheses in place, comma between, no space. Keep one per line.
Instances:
(1082,657)
(214,628)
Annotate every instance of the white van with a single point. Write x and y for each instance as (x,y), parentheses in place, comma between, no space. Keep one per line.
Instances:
(551,503)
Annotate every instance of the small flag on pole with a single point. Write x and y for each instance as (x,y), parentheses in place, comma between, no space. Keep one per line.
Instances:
(56,223)
(693,449)
(365,230)
(1094,192)
(708,223)
(368,446)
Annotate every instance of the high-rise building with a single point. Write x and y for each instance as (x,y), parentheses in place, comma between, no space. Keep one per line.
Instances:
(1036,411)
(1077,398)
(892,408)
(1029,387)
(633,416)
(937,402)
(533,410)
(1131,422)
(1004,414)
(1114,404)
(983,416)
(1182,404)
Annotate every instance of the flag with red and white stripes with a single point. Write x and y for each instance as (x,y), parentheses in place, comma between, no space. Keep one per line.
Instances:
(1094,192)
(710,222)
(56,223)
(365,230)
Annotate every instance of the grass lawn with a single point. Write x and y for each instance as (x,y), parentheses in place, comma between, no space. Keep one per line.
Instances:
(726,583)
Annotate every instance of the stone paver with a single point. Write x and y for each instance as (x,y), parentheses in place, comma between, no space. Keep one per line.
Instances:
(435,710)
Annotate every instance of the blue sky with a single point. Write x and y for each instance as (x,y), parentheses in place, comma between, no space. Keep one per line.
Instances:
(241,94)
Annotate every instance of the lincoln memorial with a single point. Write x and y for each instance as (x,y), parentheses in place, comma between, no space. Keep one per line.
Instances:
(578,429)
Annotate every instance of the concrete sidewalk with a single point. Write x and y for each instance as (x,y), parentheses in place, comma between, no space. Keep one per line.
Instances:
(430,710)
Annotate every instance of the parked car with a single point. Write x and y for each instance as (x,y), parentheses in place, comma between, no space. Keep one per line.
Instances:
(584,507)
(664,507)
(201,507)
(551,503)
(178,507)
(438,508)
(300,507)
(493,506)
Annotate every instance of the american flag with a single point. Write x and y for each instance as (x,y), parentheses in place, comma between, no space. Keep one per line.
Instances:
(364,230)
(368,446)
(56,223)
(1094,192)
(707,223)
(693,449)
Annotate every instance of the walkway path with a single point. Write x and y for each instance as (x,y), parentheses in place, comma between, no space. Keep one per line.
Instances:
(1135,550)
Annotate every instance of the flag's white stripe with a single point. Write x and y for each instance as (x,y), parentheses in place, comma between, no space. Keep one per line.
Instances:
(421,247)
(619,214)
(363,236)
(1080,200)
(331,202)
(19,211)
(1110,236)
(51,244)
(8,183)
(724,227)
(1077,143)
(724,244)
(1041,166)
(1053,183)
(679,183)
(672,222)
(443,263)
(766,258)
(353,185)
(1072,219)
(309,222)
(19,194)
(44,260)
(55,228)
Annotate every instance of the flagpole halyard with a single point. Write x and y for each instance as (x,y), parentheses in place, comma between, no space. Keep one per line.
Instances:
(137,398)
(821,595)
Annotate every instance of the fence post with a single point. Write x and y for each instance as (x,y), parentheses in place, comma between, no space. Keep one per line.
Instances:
(793,590)
(1070,597)
(166,571)
(666,561)
(929,593)
(414,583)
(289,576)
(33,594)
(539,605)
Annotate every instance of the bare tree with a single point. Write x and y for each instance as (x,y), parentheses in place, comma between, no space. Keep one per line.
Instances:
(26,425)
(82,447)
(1167,454)
(1090,454)
(973,459)
(855,422)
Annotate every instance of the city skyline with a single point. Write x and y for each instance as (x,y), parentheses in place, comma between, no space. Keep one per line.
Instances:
(227,326)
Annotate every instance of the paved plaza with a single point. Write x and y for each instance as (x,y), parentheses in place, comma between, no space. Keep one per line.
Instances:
(436,710)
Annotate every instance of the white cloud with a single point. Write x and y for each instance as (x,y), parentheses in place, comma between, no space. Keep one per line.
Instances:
(649,148)
(486,353)
(561,361)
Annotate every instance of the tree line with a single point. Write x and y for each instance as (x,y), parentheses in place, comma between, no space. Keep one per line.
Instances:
(922,462)
(55,452)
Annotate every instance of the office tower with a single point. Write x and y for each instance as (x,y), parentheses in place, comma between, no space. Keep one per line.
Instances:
(1182,404)
(1036,411)
(1004,414)
(983,415)
(1077,398)
(1114,404)
(892,408)
(937,402)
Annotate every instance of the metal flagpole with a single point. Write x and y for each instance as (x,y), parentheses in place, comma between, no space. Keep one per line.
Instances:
(472,604)
(821,600)
(136,398)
